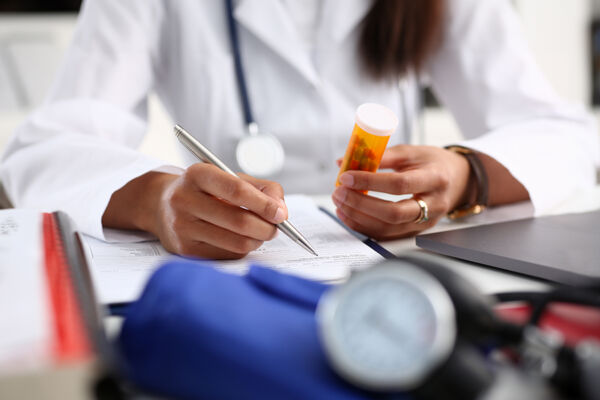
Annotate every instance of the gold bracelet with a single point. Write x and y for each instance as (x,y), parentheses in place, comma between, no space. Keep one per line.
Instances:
(481,181)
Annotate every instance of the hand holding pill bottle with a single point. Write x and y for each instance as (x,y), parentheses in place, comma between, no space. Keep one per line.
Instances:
(373,126)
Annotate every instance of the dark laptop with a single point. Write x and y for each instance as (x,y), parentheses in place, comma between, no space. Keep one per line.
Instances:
(561,248)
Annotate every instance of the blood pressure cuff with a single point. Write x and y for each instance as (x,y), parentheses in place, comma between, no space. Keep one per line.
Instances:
(199,333)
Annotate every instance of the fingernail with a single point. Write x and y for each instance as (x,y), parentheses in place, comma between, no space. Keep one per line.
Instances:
(279,215)
(347,180)
(340,194)
(282,202)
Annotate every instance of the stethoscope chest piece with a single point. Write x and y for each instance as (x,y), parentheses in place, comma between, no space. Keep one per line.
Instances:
(260,155)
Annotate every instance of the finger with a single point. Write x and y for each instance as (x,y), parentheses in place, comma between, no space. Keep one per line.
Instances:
(193,205)
(205,207)
(398,155)
(401,212)
(378,228)
(339,162)
(405,182)
(236,191)
(270,188)
(205,232)
(371,227)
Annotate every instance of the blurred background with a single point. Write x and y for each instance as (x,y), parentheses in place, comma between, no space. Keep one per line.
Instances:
(34,35)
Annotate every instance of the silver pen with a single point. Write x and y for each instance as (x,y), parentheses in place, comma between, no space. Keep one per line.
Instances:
(207,156)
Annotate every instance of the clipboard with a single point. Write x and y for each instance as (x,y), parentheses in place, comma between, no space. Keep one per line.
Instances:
(363,238)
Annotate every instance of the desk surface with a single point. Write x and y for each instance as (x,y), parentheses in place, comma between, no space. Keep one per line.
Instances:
(489,279)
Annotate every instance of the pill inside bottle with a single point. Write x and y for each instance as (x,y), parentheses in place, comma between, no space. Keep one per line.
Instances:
(373,126)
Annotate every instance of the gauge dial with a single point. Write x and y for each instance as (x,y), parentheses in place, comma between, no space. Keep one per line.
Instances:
(388,327)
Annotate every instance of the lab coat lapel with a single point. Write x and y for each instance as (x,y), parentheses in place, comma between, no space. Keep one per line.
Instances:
(271,23)
(343,16)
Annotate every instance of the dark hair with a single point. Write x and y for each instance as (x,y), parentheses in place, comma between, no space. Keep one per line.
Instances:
(39,5)
(399,35)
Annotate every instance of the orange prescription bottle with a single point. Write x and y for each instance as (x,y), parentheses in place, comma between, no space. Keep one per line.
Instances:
(373,126)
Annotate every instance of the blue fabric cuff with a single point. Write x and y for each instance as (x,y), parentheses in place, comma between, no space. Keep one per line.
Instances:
(199,333)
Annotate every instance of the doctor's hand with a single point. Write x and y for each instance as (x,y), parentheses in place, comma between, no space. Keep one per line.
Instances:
(199,212)
(437,176)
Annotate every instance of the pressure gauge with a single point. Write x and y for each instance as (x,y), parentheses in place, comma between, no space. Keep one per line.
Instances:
(388,327)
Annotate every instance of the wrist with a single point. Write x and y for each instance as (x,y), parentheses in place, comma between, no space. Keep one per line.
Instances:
(464,181)
(475,196)
(150,197)
(137,204)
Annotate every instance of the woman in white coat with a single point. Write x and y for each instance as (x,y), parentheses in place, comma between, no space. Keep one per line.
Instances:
(307,64)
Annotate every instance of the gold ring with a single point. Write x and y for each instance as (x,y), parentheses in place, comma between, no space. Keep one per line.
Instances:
(424,213)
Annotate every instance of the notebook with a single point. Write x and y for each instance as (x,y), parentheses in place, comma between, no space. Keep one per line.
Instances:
(560,248)
(53,341)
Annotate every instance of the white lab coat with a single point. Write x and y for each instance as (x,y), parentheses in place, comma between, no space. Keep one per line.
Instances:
(80,146)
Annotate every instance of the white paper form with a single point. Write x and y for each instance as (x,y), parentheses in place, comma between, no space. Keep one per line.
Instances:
(339,251)
(25,310)
(120,270)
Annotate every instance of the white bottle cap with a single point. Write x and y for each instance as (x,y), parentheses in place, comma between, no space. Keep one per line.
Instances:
(376,119)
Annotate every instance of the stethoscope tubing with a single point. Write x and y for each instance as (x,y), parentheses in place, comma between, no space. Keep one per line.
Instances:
(238,65)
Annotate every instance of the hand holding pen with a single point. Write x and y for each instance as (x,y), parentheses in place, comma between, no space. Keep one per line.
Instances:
(205,155)
(199,213)
(203,212)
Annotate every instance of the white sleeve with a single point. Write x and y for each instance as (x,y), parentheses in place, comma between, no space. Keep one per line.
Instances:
(80,146)
(485,74)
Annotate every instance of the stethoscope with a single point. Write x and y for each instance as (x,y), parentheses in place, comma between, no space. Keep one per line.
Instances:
(261,154)
(258,153)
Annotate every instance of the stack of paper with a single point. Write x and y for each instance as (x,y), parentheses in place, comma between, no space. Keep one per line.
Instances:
(24,301)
